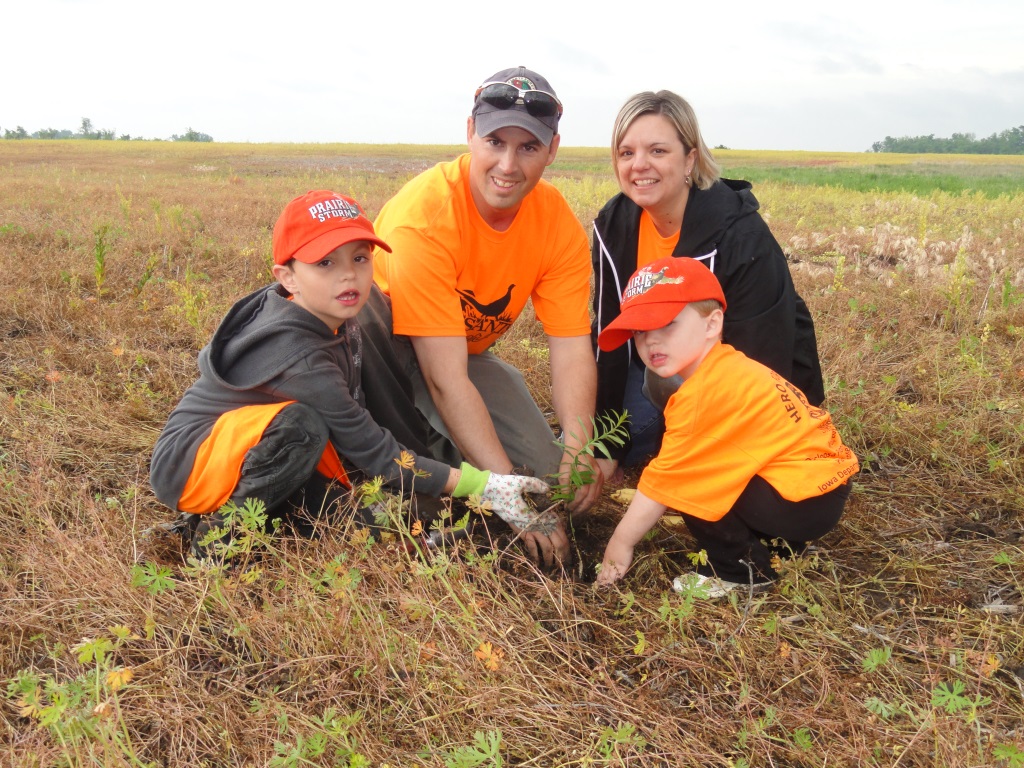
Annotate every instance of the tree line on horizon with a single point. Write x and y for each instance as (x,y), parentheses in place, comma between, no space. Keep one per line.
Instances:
(1008,142)
(87,131)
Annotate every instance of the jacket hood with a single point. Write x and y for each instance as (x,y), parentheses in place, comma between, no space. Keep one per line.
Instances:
(255,341)
(710,212)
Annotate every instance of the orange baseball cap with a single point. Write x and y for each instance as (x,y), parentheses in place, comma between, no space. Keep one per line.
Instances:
(314,224)
(657,293)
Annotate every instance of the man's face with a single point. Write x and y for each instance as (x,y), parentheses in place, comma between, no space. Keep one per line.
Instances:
(504,168)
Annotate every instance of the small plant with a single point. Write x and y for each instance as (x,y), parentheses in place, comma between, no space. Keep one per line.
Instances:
(147,273)
(330,730)
(243,532)
(485,750)
(840,270)
(883,709)
(1013,756)
(952,699)
(608,429)
(82,714)
(613,740)
(100,250)
(803,739)
(155,579)
(958,292)
(193,298)
(676,612)
(876,657)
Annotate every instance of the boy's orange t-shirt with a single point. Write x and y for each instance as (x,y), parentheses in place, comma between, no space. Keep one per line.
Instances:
(734,419)
(451,274)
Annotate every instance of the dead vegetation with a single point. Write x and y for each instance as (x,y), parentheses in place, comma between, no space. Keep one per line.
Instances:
(898,642)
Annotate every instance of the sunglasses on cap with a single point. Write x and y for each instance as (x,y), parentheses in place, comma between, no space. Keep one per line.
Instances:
(506,96)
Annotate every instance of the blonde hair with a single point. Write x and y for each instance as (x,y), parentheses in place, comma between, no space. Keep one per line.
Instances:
(705,307)
(679,113)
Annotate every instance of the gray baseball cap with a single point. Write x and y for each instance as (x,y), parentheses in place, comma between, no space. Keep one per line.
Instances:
(526,101)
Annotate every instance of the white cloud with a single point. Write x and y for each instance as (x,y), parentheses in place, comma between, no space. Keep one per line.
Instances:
(796,75)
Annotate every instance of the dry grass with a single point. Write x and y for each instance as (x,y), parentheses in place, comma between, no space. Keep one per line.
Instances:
(899,643)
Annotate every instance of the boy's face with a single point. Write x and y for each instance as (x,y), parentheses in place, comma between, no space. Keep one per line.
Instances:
(678,347)
(334,288)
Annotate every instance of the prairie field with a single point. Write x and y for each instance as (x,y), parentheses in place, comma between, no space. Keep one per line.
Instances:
(897,642)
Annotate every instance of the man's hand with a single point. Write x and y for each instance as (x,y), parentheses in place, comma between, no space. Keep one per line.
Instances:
(573,392)
(611,470)
(589,493)
(543,535)
(546,550)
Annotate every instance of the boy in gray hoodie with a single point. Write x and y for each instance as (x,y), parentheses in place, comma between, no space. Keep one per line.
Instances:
(278,412)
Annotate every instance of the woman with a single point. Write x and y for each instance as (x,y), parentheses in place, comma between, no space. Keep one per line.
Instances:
(673,203)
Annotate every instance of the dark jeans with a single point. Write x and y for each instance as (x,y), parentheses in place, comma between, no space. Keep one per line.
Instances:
(761,513)
(646,420)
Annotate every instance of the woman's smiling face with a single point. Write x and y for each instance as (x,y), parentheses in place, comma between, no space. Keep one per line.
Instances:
(652,165)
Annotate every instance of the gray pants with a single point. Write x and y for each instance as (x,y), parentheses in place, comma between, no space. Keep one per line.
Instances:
(399,400)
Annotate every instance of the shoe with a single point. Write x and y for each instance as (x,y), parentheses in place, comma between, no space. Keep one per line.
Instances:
(712,588)
(183,525)
(204,525)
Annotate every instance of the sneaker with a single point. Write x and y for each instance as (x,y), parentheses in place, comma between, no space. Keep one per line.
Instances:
(204,525)
(183,525)
(713,588)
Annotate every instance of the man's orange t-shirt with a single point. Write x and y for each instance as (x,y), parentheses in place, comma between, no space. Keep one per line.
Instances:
(450,274)
(734,419)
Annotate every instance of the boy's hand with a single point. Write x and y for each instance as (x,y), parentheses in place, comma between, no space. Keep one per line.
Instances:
(542,534)
(617,559)
(506,494)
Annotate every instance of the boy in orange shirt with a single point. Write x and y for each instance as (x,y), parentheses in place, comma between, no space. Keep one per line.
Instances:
(278,413)
(745,458)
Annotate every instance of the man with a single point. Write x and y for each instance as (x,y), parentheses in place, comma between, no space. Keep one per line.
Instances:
(472,240)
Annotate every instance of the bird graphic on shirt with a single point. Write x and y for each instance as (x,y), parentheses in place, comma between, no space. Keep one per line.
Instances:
(494,309)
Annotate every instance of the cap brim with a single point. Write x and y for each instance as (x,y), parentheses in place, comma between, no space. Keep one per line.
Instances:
(316,249)
(489,121)
(642,317)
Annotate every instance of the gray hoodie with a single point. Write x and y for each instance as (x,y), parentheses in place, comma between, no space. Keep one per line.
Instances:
(268,349)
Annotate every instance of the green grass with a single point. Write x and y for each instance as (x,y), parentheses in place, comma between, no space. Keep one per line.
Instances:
(922,181)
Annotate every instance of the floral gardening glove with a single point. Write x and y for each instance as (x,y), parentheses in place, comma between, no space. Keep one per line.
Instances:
(505,494)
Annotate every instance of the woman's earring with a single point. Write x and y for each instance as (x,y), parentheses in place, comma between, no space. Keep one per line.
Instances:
(687,180)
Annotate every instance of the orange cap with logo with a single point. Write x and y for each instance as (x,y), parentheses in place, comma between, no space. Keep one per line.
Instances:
(657,293)
(314,224)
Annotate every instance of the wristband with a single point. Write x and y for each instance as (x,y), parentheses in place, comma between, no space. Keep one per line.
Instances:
(471,481)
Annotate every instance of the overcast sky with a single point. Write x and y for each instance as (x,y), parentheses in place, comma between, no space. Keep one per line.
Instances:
(783,75)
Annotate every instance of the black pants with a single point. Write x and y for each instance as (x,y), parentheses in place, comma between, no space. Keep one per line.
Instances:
(761,513)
